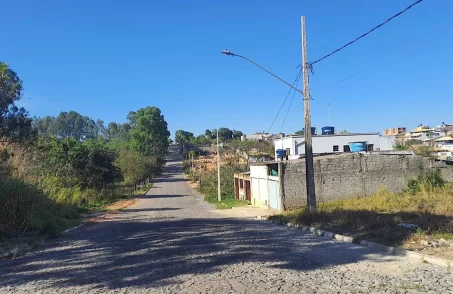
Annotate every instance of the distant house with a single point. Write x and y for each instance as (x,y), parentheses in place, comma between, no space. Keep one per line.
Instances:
(335,143)
(395,131)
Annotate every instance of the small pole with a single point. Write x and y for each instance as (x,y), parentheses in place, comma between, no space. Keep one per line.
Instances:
(219,195)
(193,170)
(309,172)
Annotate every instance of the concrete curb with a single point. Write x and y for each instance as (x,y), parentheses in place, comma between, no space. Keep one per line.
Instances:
(388,249)
(72,229)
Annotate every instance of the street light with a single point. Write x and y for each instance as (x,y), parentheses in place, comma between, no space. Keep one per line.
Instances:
(227,52)
(309,174)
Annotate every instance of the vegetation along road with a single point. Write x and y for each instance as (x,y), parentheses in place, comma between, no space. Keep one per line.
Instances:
(170,241)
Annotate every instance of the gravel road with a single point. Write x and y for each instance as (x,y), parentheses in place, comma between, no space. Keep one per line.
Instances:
(171,241)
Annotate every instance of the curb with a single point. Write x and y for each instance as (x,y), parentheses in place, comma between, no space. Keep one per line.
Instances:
(423,258)
(72,229)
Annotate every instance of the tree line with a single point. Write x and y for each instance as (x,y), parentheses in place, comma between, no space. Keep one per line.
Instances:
(63,163)
(225,134)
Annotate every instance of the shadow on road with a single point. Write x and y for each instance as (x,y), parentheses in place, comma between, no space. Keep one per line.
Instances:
(152,253)
(132,210)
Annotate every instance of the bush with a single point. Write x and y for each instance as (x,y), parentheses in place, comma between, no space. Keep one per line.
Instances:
(209,181)
(135,166)
(426,181)
(26,209)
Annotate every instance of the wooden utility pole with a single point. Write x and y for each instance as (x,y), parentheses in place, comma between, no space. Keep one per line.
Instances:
(309,172)
(219,195)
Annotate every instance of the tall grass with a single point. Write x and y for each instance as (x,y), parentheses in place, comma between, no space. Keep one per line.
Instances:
(26,209)
(427,203)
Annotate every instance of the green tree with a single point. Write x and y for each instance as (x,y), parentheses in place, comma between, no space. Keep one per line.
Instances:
(225,134)
(299,133)
(150,134)
(237,134)
(14,121)
(200,140)
(182,136)
(44,125)
(208,134)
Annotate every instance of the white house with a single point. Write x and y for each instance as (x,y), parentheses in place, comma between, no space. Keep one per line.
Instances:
(294,145)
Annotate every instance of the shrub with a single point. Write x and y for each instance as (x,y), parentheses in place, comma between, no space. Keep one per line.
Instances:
(26,209)
(426,181)
(209,181)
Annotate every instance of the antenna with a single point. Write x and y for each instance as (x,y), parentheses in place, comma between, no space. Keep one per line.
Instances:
(330,121)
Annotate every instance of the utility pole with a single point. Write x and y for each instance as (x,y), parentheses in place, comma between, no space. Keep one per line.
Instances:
(309,171)
(219,195)
(193,169)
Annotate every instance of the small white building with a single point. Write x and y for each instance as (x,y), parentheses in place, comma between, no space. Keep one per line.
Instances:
(336,143)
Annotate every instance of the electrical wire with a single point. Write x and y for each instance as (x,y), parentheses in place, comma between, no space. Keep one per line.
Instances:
(404,47)
(286,98)
(364,35)
(289,107)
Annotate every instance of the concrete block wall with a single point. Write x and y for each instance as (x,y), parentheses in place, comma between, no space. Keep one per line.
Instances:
(447,173)
(347,176)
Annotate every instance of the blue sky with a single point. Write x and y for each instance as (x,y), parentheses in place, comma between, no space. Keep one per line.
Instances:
(104,58)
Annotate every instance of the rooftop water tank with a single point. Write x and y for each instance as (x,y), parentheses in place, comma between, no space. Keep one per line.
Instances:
(357,146)
(313,130)
(328,130)
(281,153)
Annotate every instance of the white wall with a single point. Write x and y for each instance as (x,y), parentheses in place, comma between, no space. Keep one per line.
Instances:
(258,177)
(386,143)
(288,142)
(324,144)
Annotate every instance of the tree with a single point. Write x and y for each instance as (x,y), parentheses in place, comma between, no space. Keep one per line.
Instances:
(208,134)
(237,134)
(17,125)
(10,88)
(182,137)
(14,121)
(44,125)
(200,140)
(150,134)
(299,133)
(225,134)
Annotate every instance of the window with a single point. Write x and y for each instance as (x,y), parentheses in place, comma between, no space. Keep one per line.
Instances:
(346,148)
(288,151)
(369,147)
(335,148)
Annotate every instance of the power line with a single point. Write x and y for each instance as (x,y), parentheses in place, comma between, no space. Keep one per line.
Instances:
(289,107)
(284,101)
(367,33)
(406,46)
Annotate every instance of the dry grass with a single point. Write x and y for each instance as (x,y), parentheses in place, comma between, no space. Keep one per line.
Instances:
(376,218)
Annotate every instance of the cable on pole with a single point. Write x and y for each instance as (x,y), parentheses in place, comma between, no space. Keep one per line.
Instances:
(287,95)
(406,46)
(289,107)
(364,35)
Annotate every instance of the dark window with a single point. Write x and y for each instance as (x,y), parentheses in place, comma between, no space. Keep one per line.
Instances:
(346,148)
(272,169)
(335,148)
(369,147)
(288,151)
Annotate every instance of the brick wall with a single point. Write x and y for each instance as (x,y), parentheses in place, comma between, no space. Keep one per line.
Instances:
(351,175)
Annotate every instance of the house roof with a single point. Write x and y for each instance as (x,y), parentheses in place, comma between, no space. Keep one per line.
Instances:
(444,139)
(333,135)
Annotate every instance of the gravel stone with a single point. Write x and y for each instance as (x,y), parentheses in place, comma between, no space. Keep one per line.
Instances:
(171,241)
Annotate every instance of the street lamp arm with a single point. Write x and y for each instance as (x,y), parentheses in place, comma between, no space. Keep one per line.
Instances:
(227,52)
